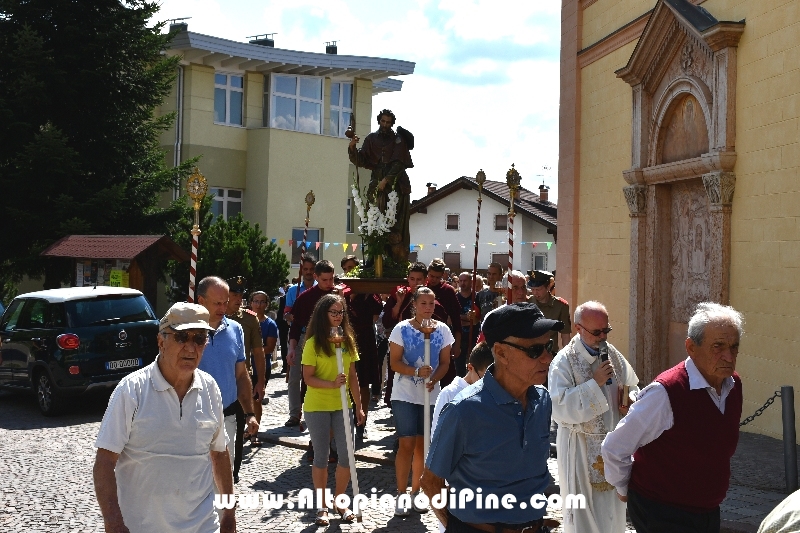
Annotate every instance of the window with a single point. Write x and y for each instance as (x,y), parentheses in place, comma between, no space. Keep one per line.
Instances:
(227,203)
(501,222)
(341,108)
(539,261)
(296,103)
(313,237)
(502,259)
(453,221)
(452,260)
(349,224)
(228,98)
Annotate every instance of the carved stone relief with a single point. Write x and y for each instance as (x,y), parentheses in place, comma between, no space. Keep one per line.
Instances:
(685,134)
(691,253)
(680,184)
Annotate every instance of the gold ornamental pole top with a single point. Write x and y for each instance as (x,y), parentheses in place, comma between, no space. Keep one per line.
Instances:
(513,180)
(196,187)
(480,177)
(310,199)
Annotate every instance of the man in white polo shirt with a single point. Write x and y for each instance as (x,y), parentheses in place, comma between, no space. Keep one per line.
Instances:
(162,441)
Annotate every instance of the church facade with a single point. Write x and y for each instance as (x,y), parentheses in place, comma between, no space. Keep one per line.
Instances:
(678,176)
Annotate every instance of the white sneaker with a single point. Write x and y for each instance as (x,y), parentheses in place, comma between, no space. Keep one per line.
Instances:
(421,510)
(402,506)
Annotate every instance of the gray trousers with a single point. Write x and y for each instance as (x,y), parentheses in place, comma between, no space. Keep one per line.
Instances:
(295,376)
(320,424)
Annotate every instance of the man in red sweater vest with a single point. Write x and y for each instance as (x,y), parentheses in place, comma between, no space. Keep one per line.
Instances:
(682,432)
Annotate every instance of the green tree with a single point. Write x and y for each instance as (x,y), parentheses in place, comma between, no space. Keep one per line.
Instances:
(79,140)
(228,248)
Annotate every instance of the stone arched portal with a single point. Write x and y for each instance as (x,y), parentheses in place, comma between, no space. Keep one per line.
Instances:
(681,180)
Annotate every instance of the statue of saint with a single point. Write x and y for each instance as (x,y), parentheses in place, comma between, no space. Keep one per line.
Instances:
(386,153)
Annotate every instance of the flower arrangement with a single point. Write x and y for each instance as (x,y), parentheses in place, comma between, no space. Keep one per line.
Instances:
(376,226)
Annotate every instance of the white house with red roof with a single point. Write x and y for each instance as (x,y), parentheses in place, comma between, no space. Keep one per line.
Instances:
(443,224)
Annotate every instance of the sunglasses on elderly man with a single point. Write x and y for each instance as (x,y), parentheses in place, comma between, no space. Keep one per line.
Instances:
(596,332)
(182,337)
(535,351)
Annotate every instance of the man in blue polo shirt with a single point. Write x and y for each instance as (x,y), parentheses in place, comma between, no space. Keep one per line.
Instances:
(224,358)
(494,436)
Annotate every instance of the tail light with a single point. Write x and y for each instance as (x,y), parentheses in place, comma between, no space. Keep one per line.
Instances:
(74,370)
(68,341)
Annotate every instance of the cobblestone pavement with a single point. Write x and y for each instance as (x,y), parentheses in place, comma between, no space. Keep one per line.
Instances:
(46,472)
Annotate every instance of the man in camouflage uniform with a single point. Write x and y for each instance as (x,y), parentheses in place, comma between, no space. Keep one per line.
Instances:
(553,307)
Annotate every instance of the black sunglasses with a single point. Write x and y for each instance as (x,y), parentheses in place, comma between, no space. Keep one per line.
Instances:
(596,332)
(535,351)
(182,337)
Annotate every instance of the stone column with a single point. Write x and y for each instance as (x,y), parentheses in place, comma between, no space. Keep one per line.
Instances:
(657,282)
(719,188)
(636,197)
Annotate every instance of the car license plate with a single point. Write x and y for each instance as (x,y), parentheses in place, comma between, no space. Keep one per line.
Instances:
(124,363)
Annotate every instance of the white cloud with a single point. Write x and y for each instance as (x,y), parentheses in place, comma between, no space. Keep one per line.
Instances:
(485,89)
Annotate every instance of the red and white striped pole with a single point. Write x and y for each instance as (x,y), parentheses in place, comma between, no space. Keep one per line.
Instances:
(513,180)
(480,178)
(197,187)
(193,264)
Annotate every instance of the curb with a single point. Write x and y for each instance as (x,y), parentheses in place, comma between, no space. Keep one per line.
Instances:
(727,526)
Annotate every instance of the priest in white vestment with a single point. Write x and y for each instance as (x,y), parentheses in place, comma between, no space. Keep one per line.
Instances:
(586,408)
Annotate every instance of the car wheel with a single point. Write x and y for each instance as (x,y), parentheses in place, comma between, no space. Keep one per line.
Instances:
(49,402)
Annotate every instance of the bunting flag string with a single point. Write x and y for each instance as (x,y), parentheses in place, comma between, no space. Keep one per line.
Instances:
(412,247)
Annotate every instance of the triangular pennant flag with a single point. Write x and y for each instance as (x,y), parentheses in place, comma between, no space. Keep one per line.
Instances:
(410,247)
(448,246)
(421,246)
(273,241)
(344,246)
(291,242)
(308,244)
(299,244)
(327,244)
(523,242)
(549,244)
(434,244)
(534,244)
(354,246)
(462,246)
(281,241)
(318,243)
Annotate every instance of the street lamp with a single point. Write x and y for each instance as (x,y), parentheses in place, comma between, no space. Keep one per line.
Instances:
(197,187)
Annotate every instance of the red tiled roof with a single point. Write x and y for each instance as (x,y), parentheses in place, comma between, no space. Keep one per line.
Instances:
(112,246)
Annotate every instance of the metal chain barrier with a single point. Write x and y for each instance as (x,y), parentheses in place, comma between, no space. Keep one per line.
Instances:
(760,409)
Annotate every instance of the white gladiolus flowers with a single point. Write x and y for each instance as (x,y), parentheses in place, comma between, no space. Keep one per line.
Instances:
(373,222)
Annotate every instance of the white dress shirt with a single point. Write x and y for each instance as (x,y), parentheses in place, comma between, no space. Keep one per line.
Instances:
(649,416)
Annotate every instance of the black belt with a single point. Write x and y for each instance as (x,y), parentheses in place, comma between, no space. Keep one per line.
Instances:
(232,409)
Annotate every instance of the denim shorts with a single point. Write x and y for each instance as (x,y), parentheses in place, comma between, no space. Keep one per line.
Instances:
(409,418)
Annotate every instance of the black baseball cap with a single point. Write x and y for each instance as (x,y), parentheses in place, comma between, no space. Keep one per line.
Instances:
(523,320)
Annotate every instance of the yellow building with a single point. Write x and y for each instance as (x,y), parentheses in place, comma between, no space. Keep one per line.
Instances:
(678,176)
(269,124)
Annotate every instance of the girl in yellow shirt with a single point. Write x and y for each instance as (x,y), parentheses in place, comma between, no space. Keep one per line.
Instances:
(323,404)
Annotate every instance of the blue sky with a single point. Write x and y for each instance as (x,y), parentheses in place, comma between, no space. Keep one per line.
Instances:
(484,93)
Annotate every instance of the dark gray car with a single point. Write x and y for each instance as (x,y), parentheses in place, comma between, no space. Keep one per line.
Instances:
(65,342)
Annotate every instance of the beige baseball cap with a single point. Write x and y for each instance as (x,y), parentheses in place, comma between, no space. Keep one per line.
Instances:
(184,315)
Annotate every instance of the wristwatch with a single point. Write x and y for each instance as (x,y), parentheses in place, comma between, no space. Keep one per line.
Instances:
(416,372)
(248,415)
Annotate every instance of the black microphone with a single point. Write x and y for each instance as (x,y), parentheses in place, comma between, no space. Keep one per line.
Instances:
(604,355)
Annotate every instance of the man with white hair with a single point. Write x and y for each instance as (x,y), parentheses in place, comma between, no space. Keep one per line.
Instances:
(586,393)
(682,432)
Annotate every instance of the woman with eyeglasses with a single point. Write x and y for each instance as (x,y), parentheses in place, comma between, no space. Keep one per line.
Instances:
(323,403)
(406,357)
